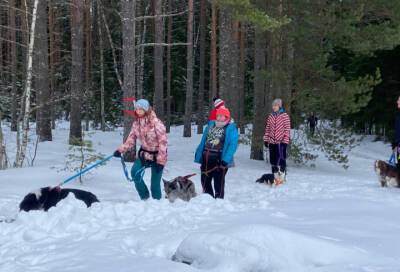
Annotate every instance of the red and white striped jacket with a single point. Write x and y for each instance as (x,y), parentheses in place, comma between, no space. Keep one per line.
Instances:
(277,129)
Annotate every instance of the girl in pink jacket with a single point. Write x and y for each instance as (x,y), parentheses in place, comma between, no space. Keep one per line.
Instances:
(151,133)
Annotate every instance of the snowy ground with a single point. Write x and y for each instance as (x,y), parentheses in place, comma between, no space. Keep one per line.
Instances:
(323,219)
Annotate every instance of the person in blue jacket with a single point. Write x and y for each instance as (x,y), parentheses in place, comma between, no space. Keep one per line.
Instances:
(215,152)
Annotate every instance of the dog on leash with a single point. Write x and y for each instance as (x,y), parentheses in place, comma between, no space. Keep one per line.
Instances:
(47,197)
(389,175)
(179,187)
(276,179)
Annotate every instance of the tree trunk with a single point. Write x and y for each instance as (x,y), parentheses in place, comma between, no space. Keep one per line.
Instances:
(102,111)
(213,53)
(128,56)
(228,61)
(22,145)
(3,154)
(169,67)
(233,71)
(88,44)
(225,37)
(187,130)
(52,52)
(77,8)
(241,79)
(158,61)
(140,90)
(13,40)
(42,74)
(203,29)
(260,96)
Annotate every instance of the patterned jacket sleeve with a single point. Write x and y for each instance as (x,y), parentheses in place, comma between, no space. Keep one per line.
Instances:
(162,142)
(267,130)
(286,122)
(130,140)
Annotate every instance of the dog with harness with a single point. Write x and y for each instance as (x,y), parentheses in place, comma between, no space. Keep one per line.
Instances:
(179,188)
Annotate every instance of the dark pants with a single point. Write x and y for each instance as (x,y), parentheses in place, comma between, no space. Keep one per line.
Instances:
(277,157)
(312,130)
(211,169)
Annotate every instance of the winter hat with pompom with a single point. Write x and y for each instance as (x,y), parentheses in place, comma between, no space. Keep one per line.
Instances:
(218,103)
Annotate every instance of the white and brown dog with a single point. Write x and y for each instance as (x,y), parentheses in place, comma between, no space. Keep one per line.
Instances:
(389,175)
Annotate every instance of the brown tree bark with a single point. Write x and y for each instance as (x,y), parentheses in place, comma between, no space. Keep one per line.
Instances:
(169,66)
(88,46)
(102,110)
(77,9)
(41,72)
(187,130)
(261,96)
(52,52)
(128,56)
(203,29)
(241,78)
(158,61)
(228,60)
(213,53)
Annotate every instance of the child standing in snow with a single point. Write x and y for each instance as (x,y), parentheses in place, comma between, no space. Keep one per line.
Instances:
(215,152)
(277,136)
(150,131)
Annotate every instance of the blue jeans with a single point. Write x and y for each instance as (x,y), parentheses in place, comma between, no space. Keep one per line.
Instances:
(137,170)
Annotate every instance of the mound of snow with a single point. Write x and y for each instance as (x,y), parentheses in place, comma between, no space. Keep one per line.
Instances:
(265,248)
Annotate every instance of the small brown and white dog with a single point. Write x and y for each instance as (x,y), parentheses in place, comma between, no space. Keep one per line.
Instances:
(388,174)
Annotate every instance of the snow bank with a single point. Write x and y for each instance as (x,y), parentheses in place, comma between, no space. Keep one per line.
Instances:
(251,248)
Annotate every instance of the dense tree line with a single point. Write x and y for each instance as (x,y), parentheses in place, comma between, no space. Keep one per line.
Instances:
(336,58)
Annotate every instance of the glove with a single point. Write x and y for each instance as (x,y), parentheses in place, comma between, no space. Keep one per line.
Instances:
(224,164)
(266,145)
(159,167)
(117,154)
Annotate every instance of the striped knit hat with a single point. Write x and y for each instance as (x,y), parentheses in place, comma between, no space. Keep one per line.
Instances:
(218,102)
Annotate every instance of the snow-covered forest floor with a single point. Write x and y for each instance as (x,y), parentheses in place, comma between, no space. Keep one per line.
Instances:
(324,219)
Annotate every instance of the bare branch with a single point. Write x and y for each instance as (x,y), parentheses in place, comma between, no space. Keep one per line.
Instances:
(17,43)
(159,15)
(163,44)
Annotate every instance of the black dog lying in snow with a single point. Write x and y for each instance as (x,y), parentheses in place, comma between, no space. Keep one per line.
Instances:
(47,197)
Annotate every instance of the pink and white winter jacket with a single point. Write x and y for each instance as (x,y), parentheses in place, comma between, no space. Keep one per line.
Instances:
(277,129)
(151,133)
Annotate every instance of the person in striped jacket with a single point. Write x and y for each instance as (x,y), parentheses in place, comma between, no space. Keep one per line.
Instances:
(277,136)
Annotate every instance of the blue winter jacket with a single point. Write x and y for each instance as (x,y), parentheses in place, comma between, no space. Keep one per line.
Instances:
(230,144)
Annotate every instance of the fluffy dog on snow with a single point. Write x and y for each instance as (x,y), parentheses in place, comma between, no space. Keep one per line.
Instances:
(389,175)
(272,179)
(47,197)
(180,187)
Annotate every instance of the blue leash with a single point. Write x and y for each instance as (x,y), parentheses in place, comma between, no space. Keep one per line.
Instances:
(141,171)
(86,169)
